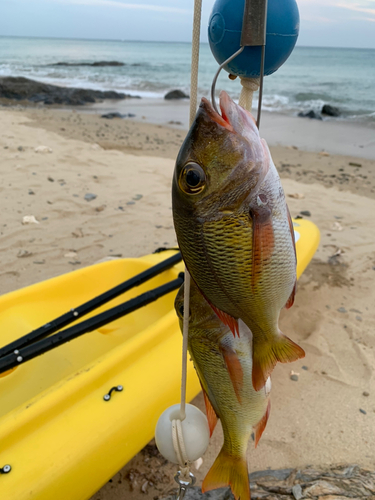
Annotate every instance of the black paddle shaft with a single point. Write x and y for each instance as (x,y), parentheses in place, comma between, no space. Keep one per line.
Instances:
(89,306)
(45,345)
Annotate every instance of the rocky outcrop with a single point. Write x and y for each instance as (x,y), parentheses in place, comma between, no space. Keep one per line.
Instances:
(329,110)
(176,94)
(24,89)
(333,483)
(93,64)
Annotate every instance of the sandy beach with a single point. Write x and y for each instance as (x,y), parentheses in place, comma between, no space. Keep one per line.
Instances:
(101,188)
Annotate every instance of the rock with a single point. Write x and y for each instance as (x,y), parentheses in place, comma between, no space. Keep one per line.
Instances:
(329,110)
(90,196)
(310,114)
(29,219)
(176,94)
(342,310)
(330,483)
(19,88)
(43,149)
(305,212)
(110,116)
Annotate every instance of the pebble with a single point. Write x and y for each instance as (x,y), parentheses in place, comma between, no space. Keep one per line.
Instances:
(130,203)
(20,148)
(43,149)
(306,212)
(365,393)
(305,367)
(297,491)
(39,262)
(358,318)
(90,196)
(137,197)
(23,253)
(51,179)
(31,191)
(294,377)
(29,219)
(342,310)
(363,411)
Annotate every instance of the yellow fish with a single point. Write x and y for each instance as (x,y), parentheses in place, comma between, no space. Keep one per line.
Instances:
(234,229)
(224,366)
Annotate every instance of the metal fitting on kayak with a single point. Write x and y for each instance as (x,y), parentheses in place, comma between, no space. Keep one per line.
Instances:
(6,469)
(117,388)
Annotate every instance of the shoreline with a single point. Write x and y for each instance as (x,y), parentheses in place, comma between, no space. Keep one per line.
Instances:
(339,137)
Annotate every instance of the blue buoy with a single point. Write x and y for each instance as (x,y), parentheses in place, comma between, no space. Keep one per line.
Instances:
(224,34)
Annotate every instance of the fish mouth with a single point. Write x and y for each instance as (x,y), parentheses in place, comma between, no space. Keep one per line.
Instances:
(233,117)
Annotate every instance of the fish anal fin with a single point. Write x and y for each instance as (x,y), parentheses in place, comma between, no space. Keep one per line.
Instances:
(267,354)
(210,412)
(234,368)
(263,235)
(228,470)
(290,301)
(261,425)
(227,319)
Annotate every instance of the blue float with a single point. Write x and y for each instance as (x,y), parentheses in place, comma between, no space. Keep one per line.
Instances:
(224,34)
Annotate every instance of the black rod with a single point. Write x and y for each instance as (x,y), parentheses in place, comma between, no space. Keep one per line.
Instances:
(72,315)
(45,345)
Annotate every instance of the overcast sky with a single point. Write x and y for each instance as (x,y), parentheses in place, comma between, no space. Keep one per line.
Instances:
(329,23)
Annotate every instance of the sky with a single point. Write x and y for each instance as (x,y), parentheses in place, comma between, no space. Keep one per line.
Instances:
(327,23)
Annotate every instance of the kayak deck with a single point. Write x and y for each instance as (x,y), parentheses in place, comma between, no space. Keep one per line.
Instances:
(60,437)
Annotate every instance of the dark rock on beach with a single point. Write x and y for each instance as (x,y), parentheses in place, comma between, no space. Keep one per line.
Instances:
(110,116)
(176,94)
(329,110)
(93,64)
(310,114)
(19,89)
(335,482)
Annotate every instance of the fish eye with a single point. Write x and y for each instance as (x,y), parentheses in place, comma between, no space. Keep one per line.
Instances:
(181,310)
(192,179)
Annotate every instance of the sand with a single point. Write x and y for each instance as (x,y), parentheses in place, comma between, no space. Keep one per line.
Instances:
(328,415)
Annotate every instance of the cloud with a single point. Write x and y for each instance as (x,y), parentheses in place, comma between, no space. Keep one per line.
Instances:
(128,6)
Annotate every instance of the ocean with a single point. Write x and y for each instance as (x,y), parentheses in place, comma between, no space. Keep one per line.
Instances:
(311,77)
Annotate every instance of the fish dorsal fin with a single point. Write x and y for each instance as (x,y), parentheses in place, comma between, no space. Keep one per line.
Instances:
(234,369)
(227,319)
(261,425)
(210,412)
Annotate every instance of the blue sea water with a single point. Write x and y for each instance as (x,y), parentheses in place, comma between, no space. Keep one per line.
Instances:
(310,78)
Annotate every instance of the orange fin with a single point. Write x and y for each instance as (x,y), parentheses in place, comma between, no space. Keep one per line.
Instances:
(228,471)
(263,236)
(210,412)
(290,301)
(261,425)
(266,355)
(234,369)
(227,319)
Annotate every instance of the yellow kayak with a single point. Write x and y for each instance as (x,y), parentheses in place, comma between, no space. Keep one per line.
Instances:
(60,437)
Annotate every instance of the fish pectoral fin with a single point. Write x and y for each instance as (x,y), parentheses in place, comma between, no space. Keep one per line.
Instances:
(234,368)
(228,470)
(290,301)
(291,228)
(227,319)
(267,354)
(210,412)
(263,236)
(261,425)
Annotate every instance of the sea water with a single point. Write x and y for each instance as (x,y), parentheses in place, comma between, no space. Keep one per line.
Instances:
(311,77)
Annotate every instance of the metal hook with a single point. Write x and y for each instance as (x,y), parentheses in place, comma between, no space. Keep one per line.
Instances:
(217,75)
(183,485)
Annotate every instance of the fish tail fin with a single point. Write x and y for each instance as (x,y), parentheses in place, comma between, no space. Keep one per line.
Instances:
(228,470)
(266,355)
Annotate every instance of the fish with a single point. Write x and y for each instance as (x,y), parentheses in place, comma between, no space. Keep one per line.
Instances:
(224,366)
(234,229)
